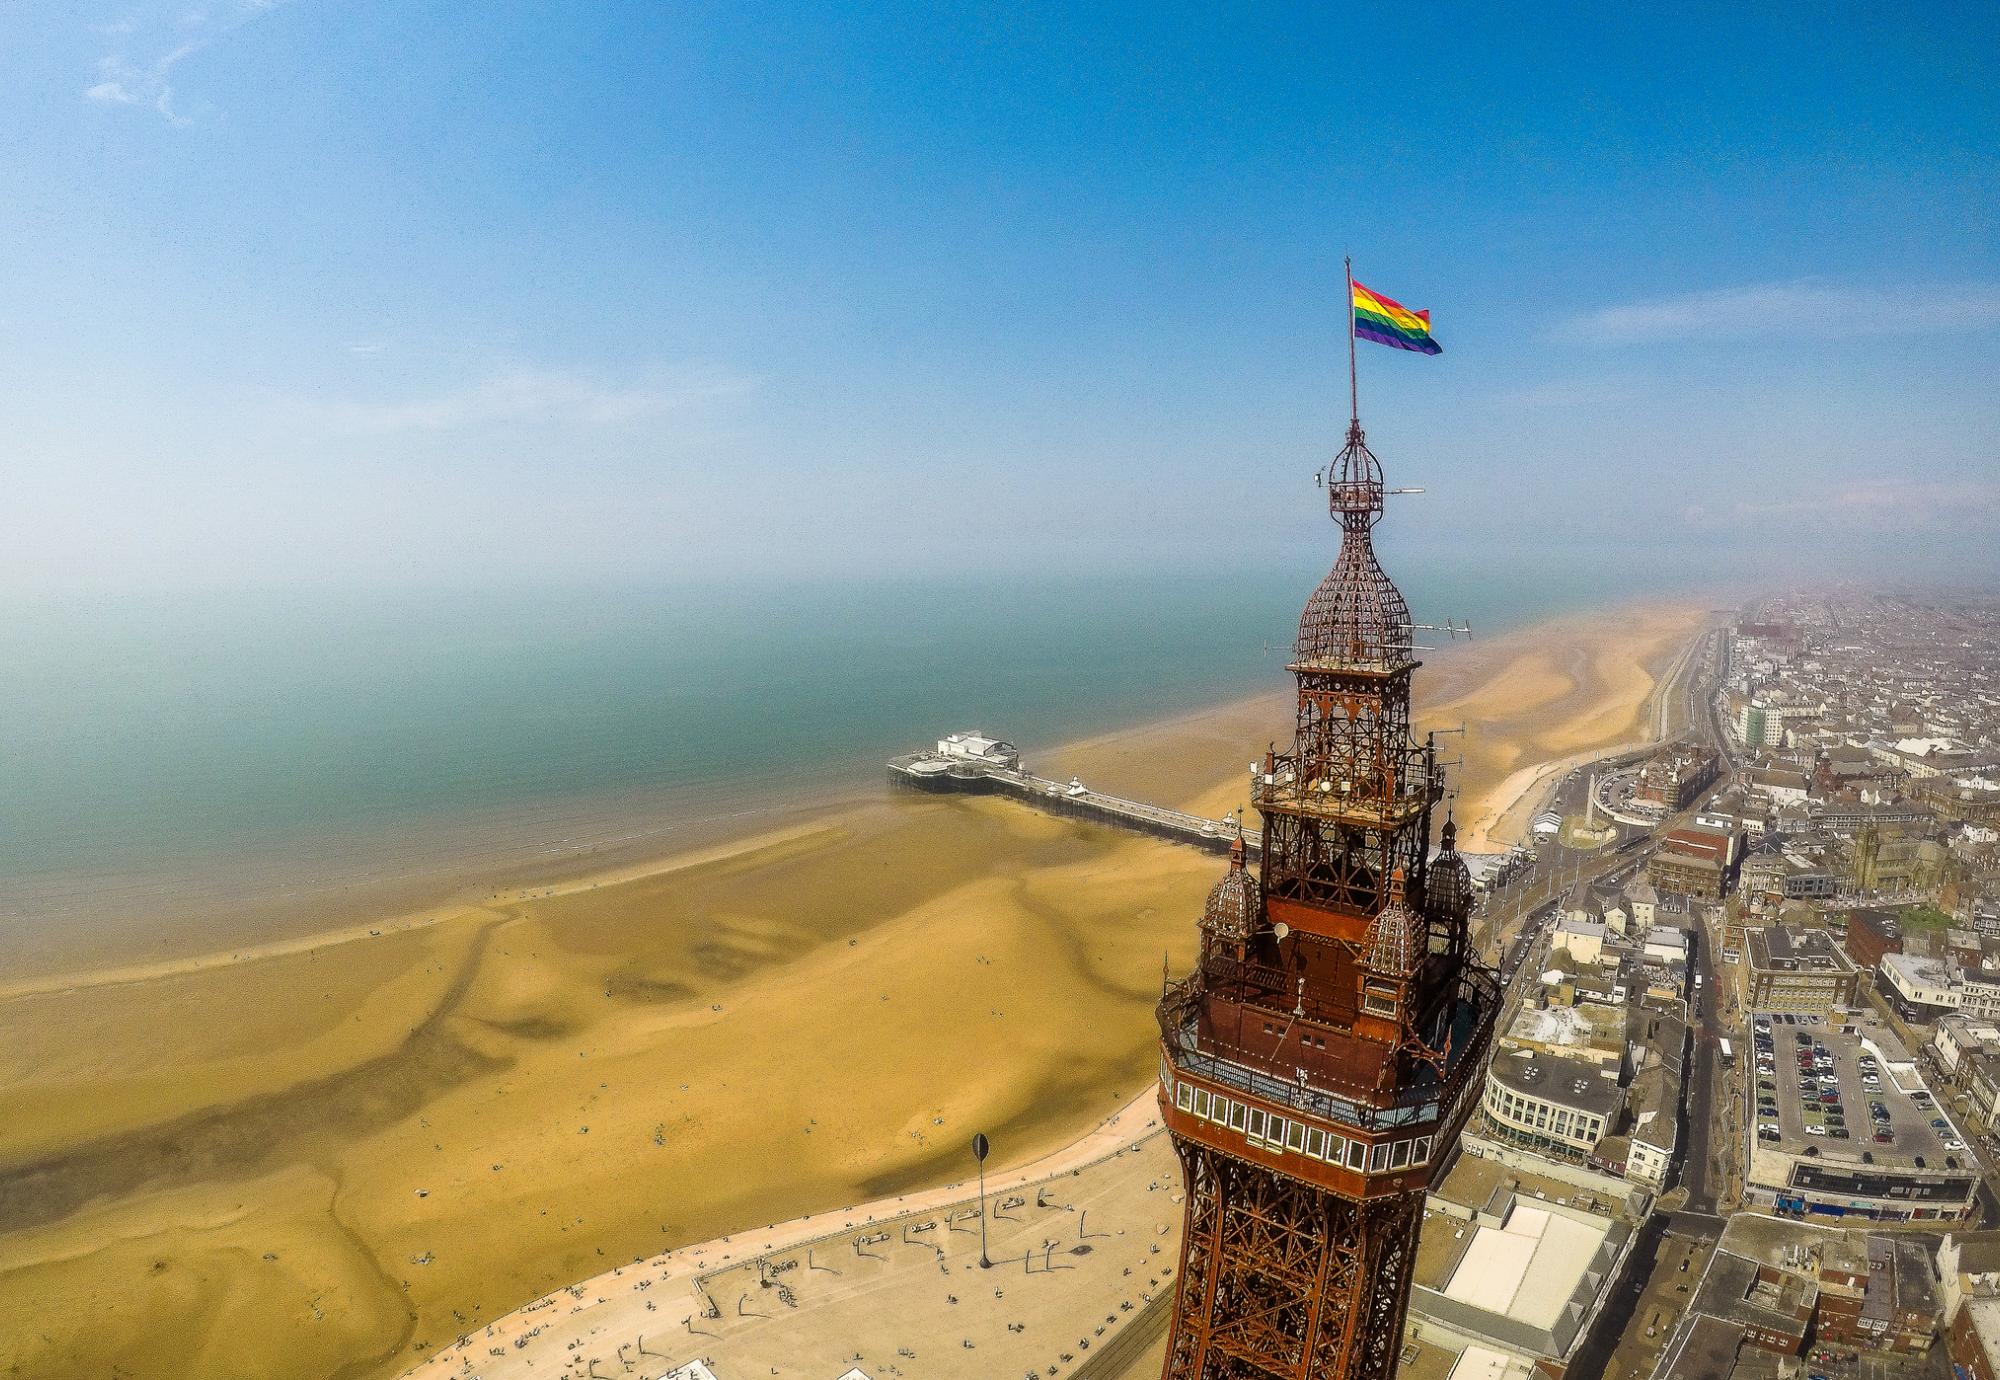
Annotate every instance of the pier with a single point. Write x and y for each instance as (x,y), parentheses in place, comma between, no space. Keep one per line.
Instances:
(976,764)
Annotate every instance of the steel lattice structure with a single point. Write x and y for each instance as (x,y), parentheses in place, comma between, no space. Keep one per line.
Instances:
(1326,1047)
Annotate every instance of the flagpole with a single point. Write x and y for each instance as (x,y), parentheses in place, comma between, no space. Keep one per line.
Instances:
(1353,382)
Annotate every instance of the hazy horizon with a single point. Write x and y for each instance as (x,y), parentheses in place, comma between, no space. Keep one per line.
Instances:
(618,295)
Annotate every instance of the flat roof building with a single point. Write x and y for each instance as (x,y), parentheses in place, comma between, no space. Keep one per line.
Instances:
(1872,933)
(1518,1262)
(1799,1167)
(1687,874)
(1799,970)
(1550,1103)
(1919,988)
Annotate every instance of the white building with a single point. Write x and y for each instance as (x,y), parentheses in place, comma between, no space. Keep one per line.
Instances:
(1667,944)
(1644,901)
(1583,938)
(1547,1100)
(977,747)
(1652,1148)
(1925,987)
(1919,986)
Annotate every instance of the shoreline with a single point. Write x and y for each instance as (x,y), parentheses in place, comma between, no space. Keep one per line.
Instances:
(633,831)
(484,882)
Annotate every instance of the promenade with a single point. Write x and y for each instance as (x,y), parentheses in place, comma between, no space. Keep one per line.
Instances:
(1080,1241)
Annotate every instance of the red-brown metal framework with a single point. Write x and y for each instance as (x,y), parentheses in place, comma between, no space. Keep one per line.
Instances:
(1326,1048)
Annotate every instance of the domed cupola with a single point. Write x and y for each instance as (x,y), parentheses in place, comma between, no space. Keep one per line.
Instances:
(1395,940)
(1231,912)
(1356,617)
(1450,880)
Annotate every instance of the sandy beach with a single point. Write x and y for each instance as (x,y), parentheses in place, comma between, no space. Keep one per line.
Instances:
(328,1157)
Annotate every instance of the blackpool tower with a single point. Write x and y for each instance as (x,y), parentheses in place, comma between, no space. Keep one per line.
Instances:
(1324,1053)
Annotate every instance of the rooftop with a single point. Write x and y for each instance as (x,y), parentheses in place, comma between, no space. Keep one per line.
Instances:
(1552,1078)
(1775,949)
(1586,1025)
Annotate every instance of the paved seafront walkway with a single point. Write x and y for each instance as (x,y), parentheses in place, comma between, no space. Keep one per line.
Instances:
(1080,1241)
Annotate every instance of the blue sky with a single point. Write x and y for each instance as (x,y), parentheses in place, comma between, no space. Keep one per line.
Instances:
(325,293)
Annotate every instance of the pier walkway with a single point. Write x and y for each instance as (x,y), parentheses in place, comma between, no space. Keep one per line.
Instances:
(1000,773)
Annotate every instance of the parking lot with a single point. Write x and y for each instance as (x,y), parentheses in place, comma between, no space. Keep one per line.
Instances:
(1830,1086)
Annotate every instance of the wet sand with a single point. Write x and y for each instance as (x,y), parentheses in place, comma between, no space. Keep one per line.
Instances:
(328,1158)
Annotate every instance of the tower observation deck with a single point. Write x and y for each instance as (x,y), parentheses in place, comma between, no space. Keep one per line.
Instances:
(1326,1048)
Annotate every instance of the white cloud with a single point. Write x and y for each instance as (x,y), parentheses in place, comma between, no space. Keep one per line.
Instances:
(1884,504)
(537,396)
(132,76)
(367,348)
(1804,308)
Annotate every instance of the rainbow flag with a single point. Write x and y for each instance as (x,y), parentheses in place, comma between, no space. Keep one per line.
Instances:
(1388,322)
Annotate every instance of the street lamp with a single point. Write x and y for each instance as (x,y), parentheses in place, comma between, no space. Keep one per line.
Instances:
(980,1147)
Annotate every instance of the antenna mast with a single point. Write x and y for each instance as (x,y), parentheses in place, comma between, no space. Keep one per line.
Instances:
(1353,380)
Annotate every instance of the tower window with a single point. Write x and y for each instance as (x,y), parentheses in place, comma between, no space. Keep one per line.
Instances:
(1379,999)
(1184,1098)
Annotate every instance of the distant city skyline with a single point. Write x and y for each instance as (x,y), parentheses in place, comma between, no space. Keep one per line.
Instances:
(314,294)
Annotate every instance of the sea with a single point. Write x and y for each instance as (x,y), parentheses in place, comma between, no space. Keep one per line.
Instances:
(179,771)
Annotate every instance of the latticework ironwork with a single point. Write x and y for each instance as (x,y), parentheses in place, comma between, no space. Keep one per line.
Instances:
(1395,940)
(1325,1049)
(1357,616)
(1283,1282)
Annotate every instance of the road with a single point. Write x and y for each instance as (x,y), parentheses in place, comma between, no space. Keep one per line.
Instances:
(1704,1078)
(1682,703)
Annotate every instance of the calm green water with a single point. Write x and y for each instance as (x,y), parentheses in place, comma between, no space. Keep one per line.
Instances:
(152,749)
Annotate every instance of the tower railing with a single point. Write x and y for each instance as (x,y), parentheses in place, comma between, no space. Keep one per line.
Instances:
(1380,795)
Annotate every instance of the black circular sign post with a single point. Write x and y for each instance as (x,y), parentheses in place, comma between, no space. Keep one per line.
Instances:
(980,1147)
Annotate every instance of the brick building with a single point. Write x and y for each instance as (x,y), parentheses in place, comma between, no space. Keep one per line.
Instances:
(1872,933)
(1687,875)
(1799,971)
